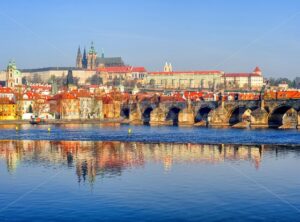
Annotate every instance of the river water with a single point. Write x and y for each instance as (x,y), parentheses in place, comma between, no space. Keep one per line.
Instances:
(84,173)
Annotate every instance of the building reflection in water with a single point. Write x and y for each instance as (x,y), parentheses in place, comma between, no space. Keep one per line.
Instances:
(94,158)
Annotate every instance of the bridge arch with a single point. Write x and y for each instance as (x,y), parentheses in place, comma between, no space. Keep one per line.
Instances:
(240,114)
(172,115)
(125,112)
(276,116)
(202,114)
(146,115)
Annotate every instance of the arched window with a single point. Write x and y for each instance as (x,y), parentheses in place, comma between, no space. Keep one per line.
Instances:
(152,82)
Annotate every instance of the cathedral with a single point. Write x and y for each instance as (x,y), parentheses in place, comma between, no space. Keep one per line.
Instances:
(91,61)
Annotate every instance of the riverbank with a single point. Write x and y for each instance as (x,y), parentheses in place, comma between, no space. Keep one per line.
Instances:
(64,121)
(119,121)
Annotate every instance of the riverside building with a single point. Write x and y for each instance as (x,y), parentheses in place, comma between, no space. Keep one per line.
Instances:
(209,80)
(251,81)
(170,79)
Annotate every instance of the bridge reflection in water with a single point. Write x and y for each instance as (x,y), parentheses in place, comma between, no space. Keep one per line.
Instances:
(111,158)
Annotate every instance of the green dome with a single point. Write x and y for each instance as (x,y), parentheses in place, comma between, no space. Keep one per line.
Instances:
(13,64)
(9,65)
(17,73)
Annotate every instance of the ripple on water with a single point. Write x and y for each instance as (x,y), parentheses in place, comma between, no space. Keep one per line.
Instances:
(154,134)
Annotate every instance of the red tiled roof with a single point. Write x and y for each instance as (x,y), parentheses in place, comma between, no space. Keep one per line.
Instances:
(5,90)
(188,72)
(81,93)
(121,69)
(106,99)
(115,69)
(240,74)
(67,95)
(6,101)
(257,69)
(31,95)
(42,87)
(138,69)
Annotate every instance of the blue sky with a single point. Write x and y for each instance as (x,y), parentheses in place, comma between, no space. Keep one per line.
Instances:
(229,35)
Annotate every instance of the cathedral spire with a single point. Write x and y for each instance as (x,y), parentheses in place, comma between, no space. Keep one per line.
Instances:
(84,59)
(92,49)
(79,58)
(91,57)
(102,53)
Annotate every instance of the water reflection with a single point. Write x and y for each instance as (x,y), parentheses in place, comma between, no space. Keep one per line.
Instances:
(91,159)
(155,180)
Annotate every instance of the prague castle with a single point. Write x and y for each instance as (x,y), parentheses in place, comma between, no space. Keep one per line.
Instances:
(91,61)
(112,71)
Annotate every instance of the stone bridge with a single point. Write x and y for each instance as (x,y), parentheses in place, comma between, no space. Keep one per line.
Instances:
(254,113)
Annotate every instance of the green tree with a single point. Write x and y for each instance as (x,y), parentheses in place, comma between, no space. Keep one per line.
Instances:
(70,79)
(24,80)
(36,78)
(30,110)
(95,80)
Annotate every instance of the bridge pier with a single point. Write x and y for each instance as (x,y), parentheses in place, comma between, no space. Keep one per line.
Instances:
(186,117)
(135,118)
(219,117)
(290,119)
(158,117)
(259,118)
(135,115)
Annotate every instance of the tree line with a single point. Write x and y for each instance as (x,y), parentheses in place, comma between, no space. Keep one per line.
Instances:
(295,83)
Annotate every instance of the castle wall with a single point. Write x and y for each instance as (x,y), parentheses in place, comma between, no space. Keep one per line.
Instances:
(83,75)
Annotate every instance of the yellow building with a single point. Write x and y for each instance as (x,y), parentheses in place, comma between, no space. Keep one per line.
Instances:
(252,80)
(8,109)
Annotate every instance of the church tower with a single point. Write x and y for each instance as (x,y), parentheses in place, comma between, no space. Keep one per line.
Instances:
(168,67)
(257,71)
(13,76)
(79,59)
(10,82)
(91,58)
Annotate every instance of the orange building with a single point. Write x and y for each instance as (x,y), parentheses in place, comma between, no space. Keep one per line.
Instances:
(8,109)
(69,106)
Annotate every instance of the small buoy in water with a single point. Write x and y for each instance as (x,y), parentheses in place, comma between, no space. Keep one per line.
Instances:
(49,129)
(129,131)
(17,128)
